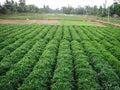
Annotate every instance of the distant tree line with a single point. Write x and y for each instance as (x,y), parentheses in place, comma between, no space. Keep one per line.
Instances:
(10,6)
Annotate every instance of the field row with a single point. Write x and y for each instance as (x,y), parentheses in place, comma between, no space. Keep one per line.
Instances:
(50,57)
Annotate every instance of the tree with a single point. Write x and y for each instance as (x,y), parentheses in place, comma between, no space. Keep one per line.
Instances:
(22,6)
(32,9)
(95,10)
(115,8)
(67,10)
(100,11)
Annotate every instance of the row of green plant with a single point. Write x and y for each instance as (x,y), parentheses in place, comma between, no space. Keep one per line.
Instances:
(91,36)
(11,47)
(108,79)
(63,75)
(112,47)
(19,53)
(111,52)
(112,60)
(16,33)
(81,34)
(18,72)
(59,33)
(51,33)
(8,40)
(87,58)
(109,34)
(39,78)
(108,49)
(86,77)
(5,27)
(15,56)
(7,31)
(22,39)
(73,33)
(66,33)
(92,52)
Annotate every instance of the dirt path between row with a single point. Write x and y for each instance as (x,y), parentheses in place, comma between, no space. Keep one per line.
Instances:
(102,22)
(11,21)
(51,22)
(98,23)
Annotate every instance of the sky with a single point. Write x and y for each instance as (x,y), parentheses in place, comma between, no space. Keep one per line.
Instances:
(60,3)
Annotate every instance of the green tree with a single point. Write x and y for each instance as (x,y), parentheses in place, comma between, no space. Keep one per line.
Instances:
(115,9)
(67,10)
(22,6)
(46,9)
(80,10)
(32,9)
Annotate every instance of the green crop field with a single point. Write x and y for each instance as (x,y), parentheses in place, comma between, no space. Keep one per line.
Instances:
(58,57)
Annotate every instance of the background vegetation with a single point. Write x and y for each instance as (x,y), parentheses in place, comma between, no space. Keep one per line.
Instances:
(12,7)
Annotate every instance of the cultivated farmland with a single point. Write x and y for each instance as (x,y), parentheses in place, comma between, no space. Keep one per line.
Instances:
(59,57)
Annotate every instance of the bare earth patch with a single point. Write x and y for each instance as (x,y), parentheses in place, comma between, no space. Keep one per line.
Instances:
(99,22)
(11,21)
(117,25)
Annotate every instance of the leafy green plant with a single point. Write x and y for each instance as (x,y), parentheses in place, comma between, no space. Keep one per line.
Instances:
(20,70)
(63,78)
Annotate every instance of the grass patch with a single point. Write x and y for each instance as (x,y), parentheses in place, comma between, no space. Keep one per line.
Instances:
(42,16)
(83,23)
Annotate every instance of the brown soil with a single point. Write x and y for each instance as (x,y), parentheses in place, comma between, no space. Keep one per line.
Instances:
(96,22)
(11,21)
(102,22)
(118,25)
